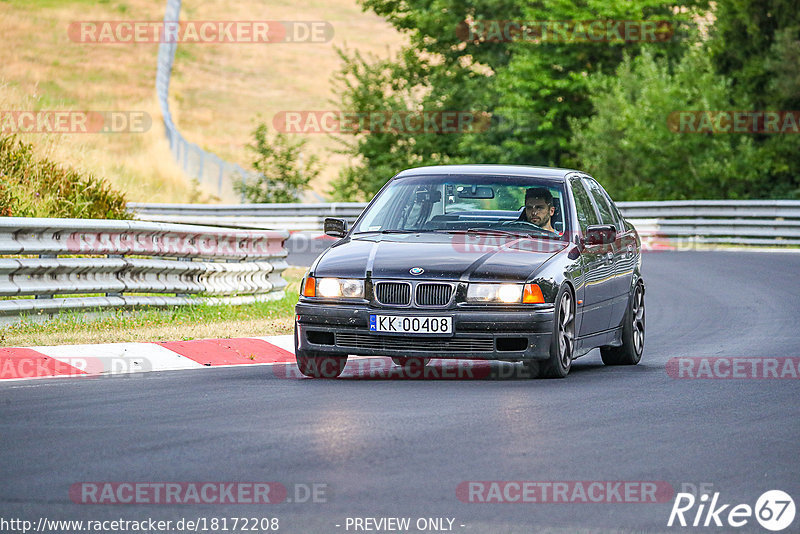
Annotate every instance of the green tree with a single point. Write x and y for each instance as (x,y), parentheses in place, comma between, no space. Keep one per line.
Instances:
(546,84)
(281,176)
(436,72)
(746,43)
(630,147)
(530,90)
(367,85)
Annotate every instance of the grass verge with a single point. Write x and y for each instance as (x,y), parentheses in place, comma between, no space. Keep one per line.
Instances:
(179,323)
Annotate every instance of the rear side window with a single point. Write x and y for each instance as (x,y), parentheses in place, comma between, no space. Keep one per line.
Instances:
(618,215)
(583,205)
(614,210)
(603,204)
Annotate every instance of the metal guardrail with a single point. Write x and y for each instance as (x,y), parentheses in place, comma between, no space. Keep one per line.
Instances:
(324,209)
(288,216)
(694,209)
(687,223)
(133,263)
(750,222)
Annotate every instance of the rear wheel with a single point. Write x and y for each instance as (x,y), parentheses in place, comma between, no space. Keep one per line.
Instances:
(315,366)
(630,352)
(562,344)
(411,364)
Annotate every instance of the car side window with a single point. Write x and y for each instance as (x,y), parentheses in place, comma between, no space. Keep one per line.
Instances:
(614,211)
(583,205)
(617,214)
(602,203)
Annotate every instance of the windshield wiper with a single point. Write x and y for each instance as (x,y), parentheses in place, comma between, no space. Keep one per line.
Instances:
(544,233)
(494,231)
(518,233)
(389,232)
(479,231)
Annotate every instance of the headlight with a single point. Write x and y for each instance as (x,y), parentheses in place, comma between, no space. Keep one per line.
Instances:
(505,293)
(347,288)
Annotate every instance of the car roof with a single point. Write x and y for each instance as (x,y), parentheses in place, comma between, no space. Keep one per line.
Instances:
(551,173)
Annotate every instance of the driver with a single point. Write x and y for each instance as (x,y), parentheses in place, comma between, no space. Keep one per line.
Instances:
(539,208)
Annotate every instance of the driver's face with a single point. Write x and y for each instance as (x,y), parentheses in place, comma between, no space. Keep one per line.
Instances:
(538,212)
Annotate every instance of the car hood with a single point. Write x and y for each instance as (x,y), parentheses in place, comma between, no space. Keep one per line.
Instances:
(442,256)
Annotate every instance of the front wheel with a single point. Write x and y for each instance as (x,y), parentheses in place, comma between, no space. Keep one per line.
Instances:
(630,352)
(320,366)
(562,345)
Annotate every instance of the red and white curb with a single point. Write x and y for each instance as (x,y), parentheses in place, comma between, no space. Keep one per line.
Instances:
(110,359)
(122,358)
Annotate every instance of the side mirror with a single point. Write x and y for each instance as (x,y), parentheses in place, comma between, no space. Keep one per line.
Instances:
(600,234)
(335,227)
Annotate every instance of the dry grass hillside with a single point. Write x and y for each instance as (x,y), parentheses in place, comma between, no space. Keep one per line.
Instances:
(218,91)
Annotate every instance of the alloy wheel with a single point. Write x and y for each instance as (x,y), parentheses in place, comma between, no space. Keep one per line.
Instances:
(566,330)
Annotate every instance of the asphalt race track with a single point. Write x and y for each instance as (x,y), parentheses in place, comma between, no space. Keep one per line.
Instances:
(401,447)
(303,248)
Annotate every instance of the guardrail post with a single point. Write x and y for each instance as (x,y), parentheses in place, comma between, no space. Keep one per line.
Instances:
(114,256)
(47,295)
(184,259)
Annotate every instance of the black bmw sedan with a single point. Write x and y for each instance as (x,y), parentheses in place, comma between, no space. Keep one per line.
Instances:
(489,262)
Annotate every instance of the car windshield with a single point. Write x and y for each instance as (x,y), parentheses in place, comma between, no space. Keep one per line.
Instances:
(470,203)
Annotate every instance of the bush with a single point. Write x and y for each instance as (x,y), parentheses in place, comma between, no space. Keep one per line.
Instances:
(31,187)
(628,146)
(282,177)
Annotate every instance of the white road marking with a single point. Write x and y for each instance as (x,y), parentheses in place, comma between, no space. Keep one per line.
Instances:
(285,342)
(115,358)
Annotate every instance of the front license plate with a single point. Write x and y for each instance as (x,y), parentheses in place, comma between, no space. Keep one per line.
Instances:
(399,324)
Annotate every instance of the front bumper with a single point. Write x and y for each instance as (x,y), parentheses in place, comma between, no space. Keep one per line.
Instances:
(479,332)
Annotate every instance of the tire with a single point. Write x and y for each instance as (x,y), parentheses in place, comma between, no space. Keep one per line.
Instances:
(314,366)
(411,364)
(562,344)
(630,352)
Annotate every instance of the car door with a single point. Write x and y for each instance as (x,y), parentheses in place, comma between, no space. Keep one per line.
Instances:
(626,260)
(621,251)
(597,273)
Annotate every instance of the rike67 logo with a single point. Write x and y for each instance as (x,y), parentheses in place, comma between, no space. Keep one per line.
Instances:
(774,510)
